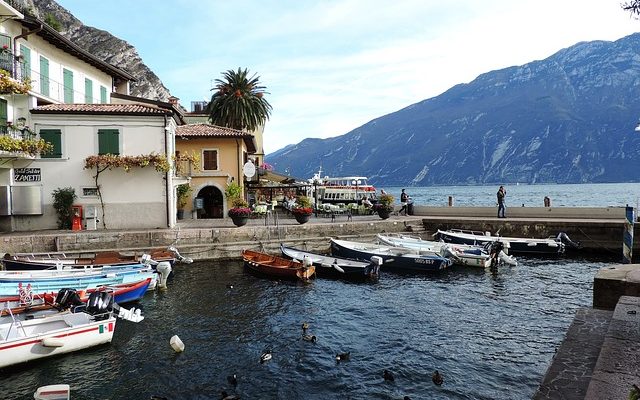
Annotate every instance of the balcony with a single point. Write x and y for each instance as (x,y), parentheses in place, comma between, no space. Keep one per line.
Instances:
(13,64)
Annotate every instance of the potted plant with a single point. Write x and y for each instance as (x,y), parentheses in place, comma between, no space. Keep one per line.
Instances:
(302,209)
(182,193)
(240,212)
(384,206)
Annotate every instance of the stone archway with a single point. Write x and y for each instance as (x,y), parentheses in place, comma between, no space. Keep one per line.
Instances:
(213,203)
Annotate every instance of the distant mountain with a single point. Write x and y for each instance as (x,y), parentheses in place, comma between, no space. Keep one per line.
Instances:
(567,119)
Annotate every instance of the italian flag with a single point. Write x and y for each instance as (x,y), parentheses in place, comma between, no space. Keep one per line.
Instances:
(106,327)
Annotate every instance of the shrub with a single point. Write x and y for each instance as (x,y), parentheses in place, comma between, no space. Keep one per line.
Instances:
(62,201)
(182,192)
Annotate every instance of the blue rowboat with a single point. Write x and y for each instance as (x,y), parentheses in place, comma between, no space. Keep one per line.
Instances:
(11,282)
(393,258)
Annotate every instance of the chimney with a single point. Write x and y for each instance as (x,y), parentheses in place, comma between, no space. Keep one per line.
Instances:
(174,101)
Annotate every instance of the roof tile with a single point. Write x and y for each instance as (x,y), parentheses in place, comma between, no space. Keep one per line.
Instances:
(101,109)
(208,130)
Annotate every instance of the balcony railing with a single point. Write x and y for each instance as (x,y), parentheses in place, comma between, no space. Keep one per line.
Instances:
(15,66)
(15,133)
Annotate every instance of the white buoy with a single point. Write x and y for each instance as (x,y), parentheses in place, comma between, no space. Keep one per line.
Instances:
(176,344)
(53,392)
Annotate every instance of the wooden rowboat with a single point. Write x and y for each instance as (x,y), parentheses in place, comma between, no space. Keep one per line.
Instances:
(277,267)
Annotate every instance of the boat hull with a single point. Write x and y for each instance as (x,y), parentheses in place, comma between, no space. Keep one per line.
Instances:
(10,281)
(525,246)
(470,256)
(334,267)
(394,259)
(51,336)
(276,267)
(40,261)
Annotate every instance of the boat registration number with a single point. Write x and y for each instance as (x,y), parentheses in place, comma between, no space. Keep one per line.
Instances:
(423,261)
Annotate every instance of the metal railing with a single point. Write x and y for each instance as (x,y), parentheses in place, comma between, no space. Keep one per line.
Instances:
(14,65)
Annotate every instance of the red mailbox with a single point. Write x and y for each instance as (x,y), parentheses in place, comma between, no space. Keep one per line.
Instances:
(76,217)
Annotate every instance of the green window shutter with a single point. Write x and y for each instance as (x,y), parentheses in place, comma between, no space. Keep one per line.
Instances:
(108,141)
(25,52)
(88,91)
(68,86)
(3,116)
(53,136)
(103,95)
(44,76)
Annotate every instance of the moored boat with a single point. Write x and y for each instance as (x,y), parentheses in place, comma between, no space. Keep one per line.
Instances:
(277,267)
(513,245)
(61,332)
(460,254)
(82,260)
(44,281)
(32,302)
(345,190)
(393,258)
(335,266)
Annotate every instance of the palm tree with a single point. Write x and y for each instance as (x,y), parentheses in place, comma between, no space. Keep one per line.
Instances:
(238,101)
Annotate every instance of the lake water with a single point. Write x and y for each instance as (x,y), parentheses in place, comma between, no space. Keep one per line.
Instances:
(584,195)
(491,334)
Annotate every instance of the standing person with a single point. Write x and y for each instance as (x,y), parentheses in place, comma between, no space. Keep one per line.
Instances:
(501,193)
(403,201)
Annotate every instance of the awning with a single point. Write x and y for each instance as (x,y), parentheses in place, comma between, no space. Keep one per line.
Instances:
(266,176)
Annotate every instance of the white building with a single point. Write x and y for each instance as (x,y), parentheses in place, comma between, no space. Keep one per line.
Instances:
(69,105)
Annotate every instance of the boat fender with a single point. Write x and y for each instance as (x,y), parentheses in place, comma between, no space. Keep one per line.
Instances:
(58,392)
(306,261)
(337,267)
(176,344)
(52,342)
(164,269)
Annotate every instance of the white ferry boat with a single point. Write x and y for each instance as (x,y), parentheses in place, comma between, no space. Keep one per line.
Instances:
(345,190)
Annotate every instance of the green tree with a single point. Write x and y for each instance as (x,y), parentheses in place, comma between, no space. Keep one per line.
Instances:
(238,101)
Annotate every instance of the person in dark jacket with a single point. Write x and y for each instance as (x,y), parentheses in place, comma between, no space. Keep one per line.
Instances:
(404,198)
(502,192)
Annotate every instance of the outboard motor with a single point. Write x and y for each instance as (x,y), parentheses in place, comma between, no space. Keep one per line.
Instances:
(179,256)
(100,304)
(67,298)
(564,238)
(163,269)
(494,249)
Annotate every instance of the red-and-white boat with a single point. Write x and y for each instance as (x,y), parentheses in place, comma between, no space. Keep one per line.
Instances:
(63,332)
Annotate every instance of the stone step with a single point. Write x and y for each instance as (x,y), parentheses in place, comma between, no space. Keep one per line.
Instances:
(572,366)
(618,366)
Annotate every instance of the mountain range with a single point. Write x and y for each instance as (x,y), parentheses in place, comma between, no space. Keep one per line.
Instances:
(567,119)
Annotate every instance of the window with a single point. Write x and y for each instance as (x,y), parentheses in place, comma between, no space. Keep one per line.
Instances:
(54,137)
(210,160)
(44,76)
(108,141)
(103,95)
(68,85)
(88,91)
(25,52)
(3,116)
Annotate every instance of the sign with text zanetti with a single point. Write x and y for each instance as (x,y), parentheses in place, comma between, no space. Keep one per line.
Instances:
(26,175)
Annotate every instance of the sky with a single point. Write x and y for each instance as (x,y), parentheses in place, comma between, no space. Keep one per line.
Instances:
(332,66)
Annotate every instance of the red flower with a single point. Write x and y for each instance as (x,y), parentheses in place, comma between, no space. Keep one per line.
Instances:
(239,212)
(302,211)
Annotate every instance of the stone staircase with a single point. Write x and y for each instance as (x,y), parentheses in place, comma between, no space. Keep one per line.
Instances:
(599,357)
